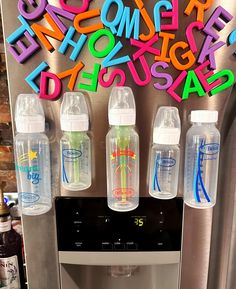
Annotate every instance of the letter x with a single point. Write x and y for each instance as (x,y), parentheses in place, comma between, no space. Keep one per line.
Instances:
(145,47)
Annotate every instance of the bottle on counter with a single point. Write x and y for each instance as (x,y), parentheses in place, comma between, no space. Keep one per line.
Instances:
(32,156)
(11,263)
(165,154)
(202,160)
(122,152)
(75,144)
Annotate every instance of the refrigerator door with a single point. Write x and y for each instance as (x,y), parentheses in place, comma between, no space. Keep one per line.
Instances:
(200,243)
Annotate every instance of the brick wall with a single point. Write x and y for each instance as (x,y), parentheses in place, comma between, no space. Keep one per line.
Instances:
(7,172)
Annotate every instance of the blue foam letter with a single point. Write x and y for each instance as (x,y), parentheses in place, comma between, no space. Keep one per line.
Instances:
(107,62)
(68,40)
(105,10)
(11,39)
(30,79)
(130,25)
(156,13)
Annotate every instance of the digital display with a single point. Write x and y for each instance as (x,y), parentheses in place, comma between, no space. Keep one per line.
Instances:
(139,221)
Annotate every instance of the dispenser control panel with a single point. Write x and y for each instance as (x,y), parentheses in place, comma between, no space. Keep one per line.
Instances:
(87,224)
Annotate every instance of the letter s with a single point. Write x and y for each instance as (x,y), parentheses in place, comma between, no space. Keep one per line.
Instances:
(166,76)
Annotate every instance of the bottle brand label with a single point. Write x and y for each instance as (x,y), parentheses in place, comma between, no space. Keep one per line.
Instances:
(210,149)
(71,153)
(5,227)
(9,273)
(28,198)
(166,162)
(161,164)
(207,152)
(123,164)
(126,153)
(72,156)
(32,171)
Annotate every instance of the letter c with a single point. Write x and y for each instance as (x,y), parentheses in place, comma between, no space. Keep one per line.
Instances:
(38,10)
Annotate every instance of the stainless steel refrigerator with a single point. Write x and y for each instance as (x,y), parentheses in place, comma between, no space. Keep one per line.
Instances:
(207,255)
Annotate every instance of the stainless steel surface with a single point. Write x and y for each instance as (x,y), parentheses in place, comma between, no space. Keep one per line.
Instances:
(151,277)
(40,238)
(223,251)
(119,258)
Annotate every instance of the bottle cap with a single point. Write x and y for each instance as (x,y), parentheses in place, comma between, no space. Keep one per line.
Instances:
(121,108)
(74,112)
(167,126)
(204,116)
(29,114)
(4,209)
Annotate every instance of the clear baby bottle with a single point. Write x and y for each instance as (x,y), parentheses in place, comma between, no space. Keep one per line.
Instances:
(32,156)
(165,153)
(202,160)
(75,144)
(122,151)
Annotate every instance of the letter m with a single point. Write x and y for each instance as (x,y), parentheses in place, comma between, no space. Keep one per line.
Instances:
(130,25)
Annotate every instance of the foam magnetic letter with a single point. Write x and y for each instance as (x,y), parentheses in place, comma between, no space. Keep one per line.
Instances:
(94,38)
(147,20)
(73,73)
(104,12)
(54,11)
(196,88)
(222,74)
(208,50)
(11,39)
(204,76)
(39,9)
(145,47)
(189,34)
(26,51)
(108,61)
(30,79)
(187,55)
(176,83)
(84,16)
(68,41)
(167,77)
(174,14)
(157,13)
(201,8)
(130,25)
(73,9)
(214,21)
(115,73)
(42,31)
(232,39)
(93,77)
(135,74)
(45,79)
(165,44)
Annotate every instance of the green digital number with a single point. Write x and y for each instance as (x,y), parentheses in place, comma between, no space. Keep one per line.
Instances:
(138,222)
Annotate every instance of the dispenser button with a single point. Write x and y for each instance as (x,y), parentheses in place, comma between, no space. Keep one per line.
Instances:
(78,244)
(77,222)
(119,246)
(131,246)
(107,246)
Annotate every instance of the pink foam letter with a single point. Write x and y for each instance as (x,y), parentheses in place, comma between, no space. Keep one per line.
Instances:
(175,84)
(73,9)
(174,15)
(44,86)
(189,33)
(135,74)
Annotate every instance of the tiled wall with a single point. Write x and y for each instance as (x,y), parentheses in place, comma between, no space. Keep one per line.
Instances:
(7,172)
